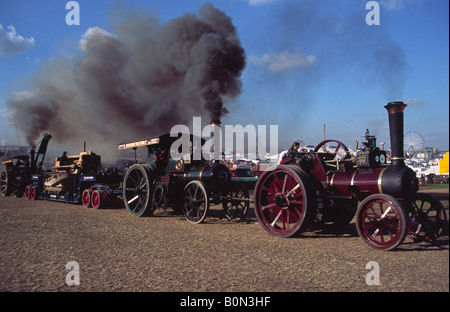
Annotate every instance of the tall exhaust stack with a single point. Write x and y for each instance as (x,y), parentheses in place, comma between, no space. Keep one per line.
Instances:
(395,111)
(32,160)
(218,123)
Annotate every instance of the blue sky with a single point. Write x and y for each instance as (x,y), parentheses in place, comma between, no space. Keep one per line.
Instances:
(309,62)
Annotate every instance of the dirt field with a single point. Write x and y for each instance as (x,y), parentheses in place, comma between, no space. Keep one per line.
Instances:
(118,252)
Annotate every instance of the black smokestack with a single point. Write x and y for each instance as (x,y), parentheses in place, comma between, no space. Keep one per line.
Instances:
(395,111)
(31,159)
(139,80)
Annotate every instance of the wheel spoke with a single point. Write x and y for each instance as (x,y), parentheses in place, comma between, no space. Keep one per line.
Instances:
(293,190)
(284,184)
(133,199)
(281,202)
(276,218)
(381,222)
(273,205)
(138,205)
(385,213)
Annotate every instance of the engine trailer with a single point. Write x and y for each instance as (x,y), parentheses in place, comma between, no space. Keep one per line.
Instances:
(80,180)
(324,188)
(183,184)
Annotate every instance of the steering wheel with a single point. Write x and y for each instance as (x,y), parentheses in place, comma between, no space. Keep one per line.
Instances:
(326,147)
(335,148)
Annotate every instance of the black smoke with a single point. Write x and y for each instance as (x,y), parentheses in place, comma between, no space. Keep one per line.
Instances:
(137,81)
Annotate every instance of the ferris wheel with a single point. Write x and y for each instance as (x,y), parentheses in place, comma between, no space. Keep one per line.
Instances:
(413,143)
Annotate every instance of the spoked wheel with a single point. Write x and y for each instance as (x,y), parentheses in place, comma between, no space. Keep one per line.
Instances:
(6,183)
(86,198)
(137,189)
(337,148)
(285,201)
(381,222)
(195,202)
(427,218)
(237,202)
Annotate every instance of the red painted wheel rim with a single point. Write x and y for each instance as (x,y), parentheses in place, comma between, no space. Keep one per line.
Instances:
(27,192)
(95,199)
(281,202)
(32,193)
(380,223)
(86,198)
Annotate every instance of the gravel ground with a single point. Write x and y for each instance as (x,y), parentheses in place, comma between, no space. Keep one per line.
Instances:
(118,252)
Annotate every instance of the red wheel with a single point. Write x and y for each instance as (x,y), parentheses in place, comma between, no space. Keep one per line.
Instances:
(285,201)
(86,198)
(381,222)
(332,152)
(27,192)
(33,194)
(332,146)
(97,199)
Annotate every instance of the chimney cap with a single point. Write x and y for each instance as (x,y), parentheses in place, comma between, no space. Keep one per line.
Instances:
(215,122)
(395,107)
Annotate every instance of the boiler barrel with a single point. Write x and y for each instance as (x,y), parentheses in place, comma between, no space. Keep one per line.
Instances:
(209,174)
(357,181)
(398,182)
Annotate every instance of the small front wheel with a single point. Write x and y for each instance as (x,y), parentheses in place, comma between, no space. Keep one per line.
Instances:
(195,202)
(382,222)
(427,218)
(237,202)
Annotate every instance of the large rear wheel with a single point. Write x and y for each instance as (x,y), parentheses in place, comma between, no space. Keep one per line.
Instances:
(285,201)
(137,190)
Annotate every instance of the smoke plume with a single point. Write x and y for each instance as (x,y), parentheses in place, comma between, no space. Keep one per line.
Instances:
(137,82)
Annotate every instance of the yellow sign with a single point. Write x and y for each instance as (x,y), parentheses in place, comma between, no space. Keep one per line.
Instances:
(443,164)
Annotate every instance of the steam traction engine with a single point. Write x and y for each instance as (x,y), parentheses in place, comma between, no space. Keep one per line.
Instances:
(18,171)
(184,184)
(323,187)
